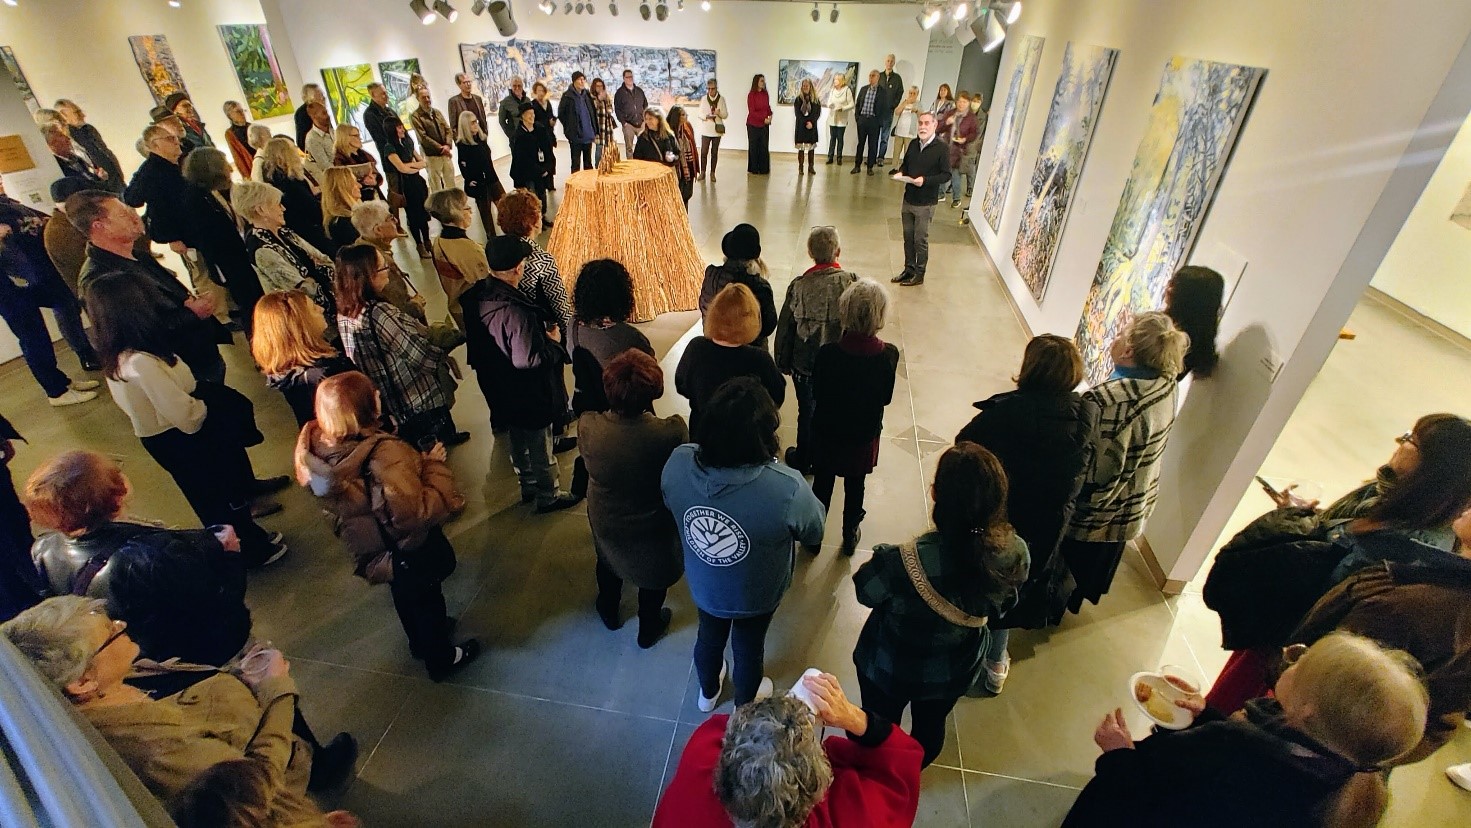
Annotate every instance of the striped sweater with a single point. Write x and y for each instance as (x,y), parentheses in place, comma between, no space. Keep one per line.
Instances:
(1121,479)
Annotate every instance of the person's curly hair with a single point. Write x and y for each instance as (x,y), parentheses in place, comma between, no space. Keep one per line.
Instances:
(772,769)
(604,290)
(519,213)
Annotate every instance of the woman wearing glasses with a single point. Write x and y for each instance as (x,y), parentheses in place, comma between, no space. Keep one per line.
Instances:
(247,714)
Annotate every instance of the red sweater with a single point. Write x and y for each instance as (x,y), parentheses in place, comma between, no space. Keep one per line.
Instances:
(873,787)
(758,108)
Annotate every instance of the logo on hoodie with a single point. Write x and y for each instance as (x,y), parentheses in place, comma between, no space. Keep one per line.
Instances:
(715,537)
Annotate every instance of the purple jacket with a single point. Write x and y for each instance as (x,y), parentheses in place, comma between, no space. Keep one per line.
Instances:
(518,366)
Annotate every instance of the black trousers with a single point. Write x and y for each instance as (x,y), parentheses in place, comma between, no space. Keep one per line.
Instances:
(418,597)
(835,143)
(758,151)
(610,593)
(868,135)
(747,638)
(853,484)
(806,405)
(581,156)
(1093,564)
(709,153)
(926,716)
(216,481)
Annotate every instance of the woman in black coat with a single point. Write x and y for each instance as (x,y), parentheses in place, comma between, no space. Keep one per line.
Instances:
(531,146)
(808,110)
(482,184)
(657,142)
(1040,433)
(214,231)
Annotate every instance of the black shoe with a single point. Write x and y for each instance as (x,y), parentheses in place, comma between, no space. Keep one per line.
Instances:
(264,508)
(546,224)
(454,438)
(268,485)
(469,650)
(854,171)
(912,281)
(870,170)
(901,278)
(563,501)
(829,161)
(609,614)
(563,444)
(648,637)
(333,762)
(850,543)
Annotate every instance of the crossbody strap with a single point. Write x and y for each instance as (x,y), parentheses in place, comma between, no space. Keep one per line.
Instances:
(368,482)
(909,554)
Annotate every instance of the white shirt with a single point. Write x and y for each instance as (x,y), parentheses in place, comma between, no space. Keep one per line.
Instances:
(320,151)
(156,395)
(709,116)
(840,101)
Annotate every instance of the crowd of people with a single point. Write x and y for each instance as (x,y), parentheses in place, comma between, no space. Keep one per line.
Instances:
(1349,626)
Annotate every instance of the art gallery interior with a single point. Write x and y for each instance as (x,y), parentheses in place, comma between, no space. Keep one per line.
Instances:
(1336,202)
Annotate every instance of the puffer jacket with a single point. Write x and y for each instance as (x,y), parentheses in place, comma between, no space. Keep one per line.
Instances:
(809,317)
(374,479)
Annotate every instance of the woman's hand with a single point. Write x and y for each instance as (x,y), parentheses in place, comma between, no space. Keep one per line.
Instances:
(1286,498)
(767,122)
(227,538)
(1194,702)
(833,707)
(1113,733)
(438,452)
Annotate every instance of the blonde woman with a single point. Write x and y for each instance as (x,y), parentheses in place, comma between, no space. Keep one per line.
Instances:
(282,167)
(657,142)
(291,349)
(906,123)
(840,104)
(808,111)
(257,136)
(341,191)
(347,151)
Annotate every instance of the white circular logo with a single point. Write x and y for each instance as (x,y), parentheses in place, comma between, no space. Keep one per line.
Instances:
(715,537)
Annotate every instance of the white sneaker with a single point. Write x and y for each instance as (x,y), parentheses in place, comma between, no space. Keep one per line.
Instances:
(765,690)
(85,385)
(996,673)
(73,397)
(706,705)
(1460,774)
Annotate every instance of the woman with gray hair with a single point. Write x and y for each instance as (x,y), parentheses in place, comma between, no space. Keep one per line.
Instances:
(167,743)
(852,382)
(771,768)
(376,225)
(257,136)
(481,183)
(213,231)
(285,170)
(458,259)
(283,259)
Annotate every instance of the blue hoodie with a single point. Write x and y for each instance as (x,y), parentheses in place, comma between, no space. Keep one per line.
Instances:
(737,526)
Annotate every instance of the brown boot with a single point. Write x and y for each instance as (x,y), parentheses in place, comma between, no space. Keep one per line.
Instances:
(800,169)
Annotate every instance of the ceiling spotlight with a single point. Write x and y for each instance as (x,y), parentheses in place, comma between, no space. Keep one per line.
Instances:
(172,3)
(546,6)
(928,19)
(834,16)
(1010,9)
(679,5)
(500,15)
(990,32)
(704,5)
(478,7)
(661,11)
(816,15)
(421,10)
(613,9)
(580,8)
(592,8)
(961,11)
(643,10)
(446,11)
(567,9)
(11,2)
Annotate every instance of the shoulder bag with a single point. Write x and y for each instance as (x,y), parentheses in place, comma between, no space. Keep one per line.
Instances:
(379,568)
(909,554)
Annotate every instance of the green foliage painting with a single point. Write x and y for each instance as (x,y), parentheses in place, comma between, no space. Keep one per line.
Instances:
(347,92)
(249,48)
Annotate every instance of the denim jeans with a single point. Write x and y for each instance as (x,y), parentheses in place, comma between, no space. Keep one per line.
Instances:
(996,645)
(959,184)
(835,143)
(748,653)
(531,454)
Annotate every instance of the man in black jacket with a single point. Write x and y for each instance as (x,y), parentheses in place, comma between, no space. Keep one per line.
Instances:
(310,92)
(868,110)
(509,113)
(893,93)
(575,111)
(629,103)
(926,166)
(89,139)
(374,116)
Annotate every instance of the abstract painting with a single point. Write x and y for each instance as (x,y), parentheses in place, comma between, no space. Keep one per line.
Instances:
(1070,122)
(249,49)
(156,62)
(347,93)
(491,66)
(822,73)
(12,67)
(1197,115)
(1008,134)
(553,64)
(688,71)
(650,71)
(1462,214)
(398,82)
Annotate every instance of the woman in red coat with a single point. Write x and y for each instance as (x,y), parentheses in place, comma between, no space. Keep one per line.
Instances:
(758,128)
(868,779)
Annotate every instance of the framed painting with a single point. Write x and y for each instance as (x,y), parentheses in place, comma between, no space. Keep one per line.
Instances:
(492,65)
(156,62)
(347,93)
(822,73)
(12,67)
(1008,133)
(250,53)
(688,71)
(1076,102)
(398,81)
(1197,115)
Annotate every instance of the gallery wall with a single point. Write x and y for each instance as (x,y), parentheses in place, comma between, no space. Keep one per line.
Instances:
(748,37)
(1427,266)
(1302,204)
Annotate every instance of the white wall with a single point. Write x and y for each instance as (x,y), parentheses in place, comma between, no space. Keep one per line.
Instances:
(1428,264)
(748,37)
(1346,89)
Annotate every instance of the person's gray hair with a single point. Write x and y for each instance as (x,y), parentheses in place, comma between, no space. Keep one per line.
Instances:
(250,197)
(367,215)
(306,89)
(445,205)
(50,128)
(863,308)
(462,128)
(151,133)
(822,244)
(225,108)
(459,76)
(257,135)
(1157,343)
(56,635)
(207,167)
(772,769)
(281,155)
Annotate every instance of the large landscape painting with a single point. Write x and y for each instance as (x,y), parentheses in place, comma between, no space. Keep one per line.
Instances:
(1197,115)
(249,49)
(1008,134)
(1071,119)
(156,62)
(347,93)
(822,73)
(667,76)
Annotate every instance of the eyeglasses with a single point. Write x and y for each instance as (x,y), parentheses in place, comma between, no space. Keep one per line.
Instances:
(118,627)
(1408,439)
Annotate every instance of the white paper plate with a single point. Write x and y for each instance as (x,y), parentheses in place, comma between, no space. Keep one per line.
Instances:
(1179,719)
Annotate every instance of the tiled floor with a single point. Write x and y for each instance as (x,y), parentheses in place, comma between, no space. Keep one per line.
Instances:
(562,723)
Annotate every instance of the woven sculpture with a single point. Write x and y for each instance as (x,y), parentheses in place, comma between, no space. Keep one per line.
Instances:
(632,213)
